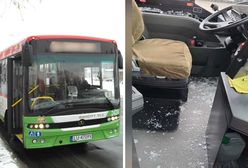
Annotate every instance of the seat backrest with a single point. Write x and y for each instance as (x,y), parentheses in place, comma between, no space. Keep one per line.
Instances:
(137,23)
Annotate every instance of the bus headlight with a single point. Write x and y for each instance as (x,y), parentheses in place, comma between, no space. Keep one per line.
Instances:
(42,141)
(36,126)
(34,141)
(41,126)
(47,126)
(112,118)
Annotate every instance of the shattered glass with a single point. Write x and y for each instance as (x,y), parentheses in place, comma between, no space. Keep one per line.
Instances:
(168,133)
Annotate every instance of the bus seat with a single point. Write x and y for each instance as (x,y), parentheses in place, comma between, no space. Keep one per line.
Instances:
(159,57)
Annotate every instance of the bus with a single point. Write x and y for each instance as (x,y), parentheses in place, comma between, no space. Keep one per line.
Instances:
(53,90)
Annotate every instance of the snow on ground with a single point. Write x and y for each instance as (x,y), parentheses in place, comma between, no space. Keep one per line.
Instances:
(184,145)
(7,158)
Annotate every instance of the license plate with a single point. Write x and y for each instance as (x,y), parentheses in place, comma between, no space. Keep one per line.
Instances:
(78,138)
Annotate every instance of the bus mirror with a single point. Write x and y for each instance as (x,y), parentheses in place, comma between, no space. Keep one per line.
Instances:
(120,60)
(26,55)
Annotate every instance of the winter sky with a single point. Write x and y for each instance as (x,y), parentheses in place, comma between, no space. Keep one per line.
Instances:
(97,18)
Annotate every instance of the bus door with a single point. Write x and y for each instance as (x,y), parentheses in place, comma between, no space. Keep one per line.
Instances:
(16,92)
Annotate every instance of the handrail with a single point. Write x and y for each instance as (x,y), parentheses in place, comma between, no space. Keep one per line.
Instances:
(19,100)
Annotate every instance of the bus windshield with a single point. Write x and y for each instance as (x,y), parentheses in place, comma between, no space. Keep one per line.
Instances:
(64,83)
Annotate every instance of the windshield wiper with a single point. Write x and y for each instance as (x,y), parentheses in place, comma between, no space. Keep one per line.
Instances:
(66,105)
(107,99)
(53,108)
(110,103)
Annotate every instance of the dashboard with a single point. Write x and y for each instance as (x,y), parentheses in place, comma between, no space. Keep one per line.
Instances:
(234,14)
(170,12)
(175,7)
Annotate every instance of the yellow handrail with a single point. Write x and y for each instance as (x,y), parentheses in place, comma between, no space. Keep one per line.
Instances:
(42,97)
(19,100)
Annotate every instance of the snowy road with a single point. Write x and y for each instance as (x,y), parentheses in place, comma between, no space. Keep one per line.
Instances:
(7,158)
(181,143)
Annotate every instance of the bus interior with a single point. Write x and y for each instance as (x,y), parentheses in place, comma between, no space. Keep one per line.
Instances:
(175,122)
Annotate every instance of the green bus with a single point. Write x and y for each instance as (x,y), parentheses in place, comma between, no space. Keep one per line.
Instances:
(60,90)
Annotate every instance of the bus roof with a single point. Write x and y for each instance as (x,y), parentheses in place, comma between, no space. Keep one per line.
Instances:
(18,47)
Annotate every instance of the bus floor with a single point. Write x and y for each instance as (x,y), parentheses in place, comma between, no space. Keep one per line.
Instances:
(167,134)
(104,154)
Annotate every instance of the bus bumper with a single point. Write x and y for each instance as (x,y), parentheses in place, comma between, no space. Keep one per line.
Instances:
(57,137)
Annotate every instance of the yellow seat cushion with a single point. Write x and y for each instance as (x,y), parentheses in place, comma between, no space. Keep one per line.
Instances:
(163,57)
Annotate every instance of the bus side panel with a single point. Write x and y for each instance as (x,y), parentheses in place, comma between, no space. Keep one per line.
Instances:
(3,88)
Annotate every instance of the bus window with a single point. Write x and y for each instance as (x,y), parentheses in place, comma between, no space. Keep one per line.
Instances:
(41,68)
(3,77)
(92,76)
(72,77)
(17,90)
(96,76)
(88,75)
(108,76)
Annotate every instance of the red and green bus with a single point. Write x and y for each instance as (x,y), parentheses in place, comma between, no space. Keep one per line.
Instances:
(60,90)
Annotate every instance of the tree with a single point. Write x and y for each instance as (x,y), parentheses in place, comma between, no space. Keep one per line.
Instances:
(18,4)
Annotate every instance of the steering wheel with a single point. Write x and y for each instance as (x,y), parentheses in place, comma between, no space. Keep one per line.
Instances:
(229,22)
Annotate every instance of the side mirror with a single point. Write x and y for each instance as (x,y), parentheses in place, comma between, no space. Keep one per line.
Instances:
(120,60)
(27,52)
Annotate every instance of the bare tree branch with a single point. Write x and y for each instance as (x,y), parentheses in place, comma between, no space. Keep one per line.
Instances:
(20,5)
